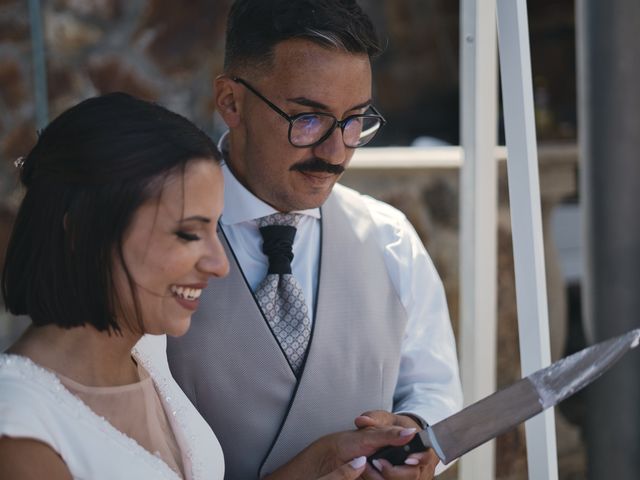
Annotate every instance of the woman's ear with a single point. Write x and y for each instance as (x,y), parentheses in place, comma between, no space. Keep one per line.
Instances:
(228,100)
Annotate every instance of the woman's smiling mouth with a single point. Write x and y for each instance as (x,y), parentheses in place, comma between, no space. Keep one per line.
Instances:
(187,295)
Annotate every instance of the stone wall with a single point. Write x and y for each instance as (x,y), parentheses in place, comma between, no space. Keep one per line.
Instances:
(170,52)
(159,50)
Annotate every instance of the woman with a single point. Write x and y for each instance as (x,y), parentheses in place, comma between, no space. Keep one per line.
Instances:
(115,238)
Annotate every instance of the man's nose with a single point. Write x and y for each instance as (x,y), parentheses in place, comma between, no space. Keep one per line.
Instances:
(333,149)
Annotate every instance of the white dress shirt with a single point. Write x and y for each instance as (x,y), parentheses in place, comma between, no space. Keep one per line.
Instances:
(428,383)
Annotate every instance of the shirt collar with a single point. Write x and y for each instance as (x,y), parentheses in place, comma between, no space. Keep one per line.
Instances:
(240,205)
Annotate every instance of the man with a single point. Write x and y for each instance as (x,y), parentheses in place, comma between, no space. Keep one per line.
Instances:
(365,326)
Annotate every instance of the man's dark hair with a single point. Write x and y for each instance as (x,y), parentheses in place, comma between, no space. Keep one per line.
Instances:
(88,173)
(254,27)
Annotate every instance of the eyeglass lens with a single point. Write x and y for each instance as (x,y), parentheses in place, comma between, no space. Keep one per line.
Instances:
(309,129)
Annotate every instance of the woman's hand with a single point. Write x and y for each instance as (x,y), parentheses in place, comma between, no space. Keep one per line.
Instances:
(329,455)
(348,471)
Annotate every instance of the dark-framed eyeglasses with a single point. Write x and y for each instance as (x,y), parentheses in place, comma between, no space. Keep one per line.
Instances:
(309,129)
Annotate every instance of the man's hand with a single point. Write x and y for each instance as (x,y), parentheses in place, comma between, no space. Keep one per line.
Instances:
(382,418)
(418,466)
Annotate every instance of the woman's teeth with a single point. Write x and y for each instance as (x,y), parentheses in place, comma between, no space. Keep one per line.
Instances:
(186,293)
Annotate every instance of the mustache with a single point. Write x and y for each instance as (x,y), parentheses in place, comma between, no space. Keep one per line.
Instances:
(317,165)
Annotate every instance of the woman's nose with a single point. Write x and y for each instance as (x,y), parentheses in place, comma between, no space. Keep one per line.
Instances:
(214,262)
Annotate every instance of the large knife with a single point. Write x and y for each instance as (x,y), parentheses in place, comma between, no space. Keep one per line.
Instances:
(487,418)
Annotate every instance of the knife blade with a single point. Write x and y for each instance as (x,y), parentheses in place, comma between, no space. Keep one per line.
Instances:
(493,415)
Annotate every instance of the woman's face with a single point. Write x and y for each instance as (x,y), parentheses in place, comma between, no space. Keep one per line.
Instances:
(172,248)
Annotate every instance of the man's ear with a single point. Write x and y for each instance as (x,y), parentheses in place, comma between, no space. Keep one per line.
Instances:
(228,100)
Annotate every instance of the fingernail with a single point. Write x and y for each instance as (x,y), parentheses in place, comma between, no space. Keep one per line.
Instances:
(377,464)
(412,461)
(408,431)
(358,462)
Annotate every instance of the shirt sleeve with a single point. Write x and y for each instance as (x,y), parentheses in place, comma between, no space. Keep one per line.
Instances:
(428,381)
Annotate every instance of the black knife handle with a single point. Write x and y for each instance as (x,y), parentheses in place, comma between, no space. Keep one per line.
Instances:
(397,455)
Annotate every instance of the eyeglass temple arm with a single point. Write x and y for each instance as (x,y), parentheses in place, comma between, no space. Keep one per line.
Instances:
(274,107)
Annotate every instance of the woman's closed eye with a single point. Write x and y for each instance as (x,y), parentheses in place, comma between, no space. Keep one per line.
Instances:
(186,236)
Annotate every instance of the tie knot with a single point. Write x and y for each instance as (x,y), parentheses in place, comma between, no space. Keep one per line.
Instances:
(287,219)
(278,232)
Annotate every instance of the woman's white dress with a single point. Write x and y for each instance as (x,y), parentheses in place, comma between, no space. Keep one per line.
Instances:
(34,404)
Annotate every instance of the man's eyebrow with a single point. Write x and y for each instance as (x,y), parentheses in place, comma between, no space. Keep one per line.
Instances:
(195,218)
(307,102)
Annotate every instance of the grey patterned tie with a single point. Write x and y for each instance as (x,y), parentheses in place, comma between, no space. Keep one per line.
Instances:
(279,294)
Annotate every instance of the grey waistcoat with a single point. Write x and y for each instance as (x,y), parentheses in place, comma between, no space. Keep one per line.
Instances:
(231,366)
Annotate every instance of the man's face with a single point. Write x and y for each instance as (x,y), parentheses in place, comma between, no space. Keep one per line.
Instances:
(305,77)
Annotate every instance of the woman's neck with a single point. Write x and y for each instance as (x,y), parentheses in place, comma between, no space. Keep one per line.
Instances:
(82,354)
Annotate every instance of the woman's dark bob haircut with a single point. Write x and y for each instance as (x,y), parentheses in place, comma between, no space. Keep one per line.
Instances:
(90,170)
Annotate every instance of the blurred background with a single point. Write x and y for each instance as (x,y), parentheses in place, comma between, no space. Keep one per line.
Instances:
(54,53)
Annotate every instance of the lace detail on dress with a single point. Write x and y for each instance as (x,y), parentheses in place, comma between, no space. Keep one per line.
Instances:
(29,370)
(177,411)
